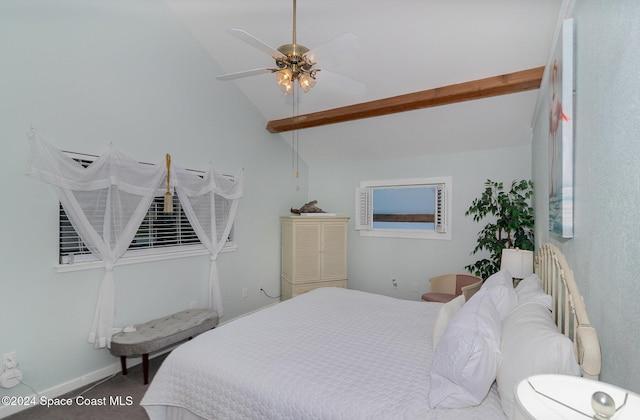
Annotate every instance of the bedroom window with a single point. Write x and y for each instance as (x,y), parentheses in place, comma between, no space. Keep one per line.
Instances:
(160,235)
(405,208)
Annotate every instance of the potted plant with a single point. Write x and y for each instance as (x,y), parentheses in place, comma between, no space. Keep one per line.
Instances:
(511,228)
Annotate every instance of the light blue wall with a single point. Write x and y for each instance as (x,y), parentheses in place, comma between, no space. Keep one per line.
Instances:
(87,73)
(605,248)
(374,261)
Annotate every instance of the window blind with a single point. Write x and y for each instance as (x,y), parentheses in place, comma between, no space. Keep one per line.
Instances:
(158,232)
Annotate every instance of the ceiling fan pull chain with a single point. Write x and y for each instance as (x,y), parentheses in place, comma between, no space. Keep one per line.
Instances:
(294,142)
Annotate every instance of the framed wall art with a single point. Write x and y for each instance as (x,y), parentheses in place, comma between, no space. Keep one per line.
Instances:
(561,123)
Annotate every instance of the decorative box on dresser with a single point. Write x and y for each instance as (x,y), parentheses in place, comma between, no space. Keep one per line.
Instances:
(314,253)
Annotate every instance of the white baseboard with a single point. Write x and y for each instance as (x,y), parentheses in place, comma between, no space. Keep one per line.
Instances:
(61,389)
(74,384)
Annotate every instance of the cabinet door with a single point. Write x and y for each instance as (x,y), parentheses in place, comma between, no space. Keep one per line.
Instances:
(307,252)
(333,255)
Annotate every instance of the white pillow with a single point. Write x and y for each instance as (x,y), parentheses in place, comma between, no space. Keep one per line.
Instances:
(504,298)
(445,315)
(502,277)
(531,344)
(466,358)
(529,290)
(503,295)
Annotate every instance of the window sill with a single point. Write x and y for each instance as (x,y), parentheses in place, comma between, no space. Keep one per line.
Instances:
(407,234)
(90,265)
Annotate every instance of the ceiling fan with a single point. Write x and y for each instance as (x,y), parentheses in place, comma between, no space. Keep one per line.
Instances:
(296,63)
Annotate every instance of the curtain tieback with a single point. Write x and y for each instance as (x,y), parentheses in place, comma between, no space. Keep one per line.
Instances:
(108,266)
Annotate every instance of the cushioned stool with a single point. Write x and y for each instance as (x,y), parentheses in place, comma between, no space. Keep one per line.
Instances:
(160,333)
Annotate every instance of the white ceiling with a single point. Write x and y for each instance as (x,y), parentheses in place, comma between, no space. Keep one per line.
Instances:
(404,46)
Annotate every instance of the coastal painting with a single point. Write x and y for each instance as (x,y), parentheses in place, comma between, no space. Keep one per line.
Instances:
(561,134)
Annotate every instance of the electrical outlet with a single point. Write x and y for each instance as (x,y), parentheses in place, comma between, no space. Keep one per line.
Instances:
(9,361)
(193,304)
(415,286)
(245,293)
(260,286)
(394,282)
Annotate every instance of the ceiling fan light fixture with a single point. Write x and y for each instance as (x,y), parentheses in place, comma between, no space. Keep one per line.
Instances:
(287,89)
(306,82)
(284,77)
(293,62)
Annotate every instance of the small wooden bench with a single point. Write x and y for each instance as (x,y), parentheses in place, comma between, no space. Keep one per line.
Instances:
(160,333)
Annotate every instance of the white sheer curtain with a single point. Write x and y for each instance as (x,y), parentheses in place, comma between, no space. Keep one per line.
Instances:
(107,201)
(210,203)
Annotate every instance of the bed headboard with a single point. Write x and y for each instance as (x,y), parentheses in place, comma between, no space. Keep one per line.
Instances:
(568,309)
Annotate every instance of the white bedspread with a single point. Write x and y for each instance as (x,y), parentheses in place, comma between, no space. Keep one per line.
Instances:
(328,354)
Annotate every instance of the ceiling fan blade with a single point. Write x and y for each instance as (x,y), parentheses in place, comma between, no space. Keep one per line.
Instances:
(254,42)
(335,51)
(241,74)
(340,83)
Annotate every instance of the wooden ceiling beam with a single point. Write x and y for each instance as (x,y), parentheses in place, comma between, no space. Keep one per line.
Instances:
(519,81)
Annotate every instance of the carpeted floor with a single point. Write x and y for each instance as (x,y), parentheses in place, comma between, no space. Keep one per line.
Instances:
(121,395)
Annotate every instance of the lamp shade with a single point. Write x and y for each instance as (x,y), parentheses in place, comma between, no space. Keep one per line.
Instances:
(518,262)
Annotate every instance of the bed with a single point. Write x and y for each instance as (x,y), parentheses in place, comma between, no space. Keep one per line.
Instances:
(345,354)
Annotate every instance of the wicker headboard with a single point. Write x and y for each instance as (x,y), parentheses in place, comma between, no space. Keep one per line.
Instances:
(568,309)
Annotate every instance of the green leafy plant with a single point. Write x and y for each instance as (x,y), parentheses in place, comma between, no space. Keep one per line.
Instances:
(512,228)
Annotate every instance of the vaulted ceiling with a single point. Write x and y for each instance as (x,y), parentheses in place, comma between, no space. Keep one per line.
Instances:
(405,46)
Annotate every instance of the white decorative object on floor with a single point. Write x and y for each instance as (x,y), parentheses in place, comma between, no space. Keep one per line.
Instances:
(564,397)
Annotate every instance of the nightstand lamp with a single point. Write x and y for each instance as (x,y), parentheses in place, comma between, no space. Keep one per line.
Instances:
(565,397)
(518,262)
